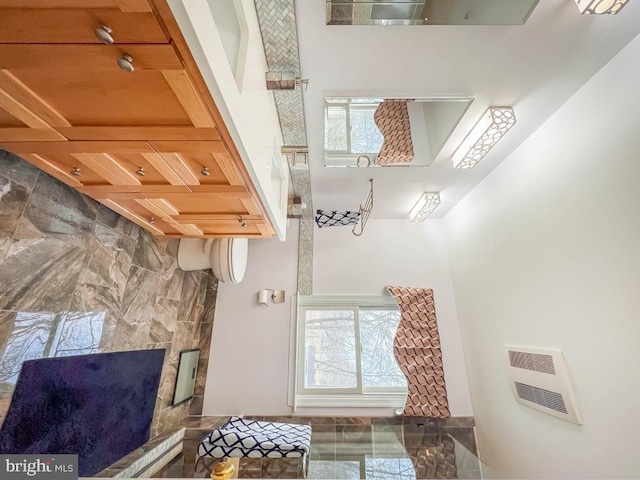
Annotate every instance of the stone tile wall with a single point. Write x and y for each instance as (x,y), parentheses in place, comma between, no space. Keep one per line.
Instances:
(77,278)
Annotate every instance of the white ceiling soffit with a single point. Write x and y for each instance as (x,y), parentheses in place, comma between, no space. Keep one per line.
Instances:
(533,68)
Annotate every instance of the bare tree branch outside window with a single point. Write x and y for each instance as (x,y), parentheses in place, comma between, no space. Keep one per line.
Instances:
(330,349)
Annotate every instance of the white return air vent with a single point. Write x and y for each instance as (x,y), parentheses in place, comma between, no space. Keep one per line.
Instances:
(540,380)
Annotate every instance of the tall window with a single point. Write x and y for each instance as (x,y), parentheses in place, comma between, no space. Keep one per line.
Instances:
(347,347)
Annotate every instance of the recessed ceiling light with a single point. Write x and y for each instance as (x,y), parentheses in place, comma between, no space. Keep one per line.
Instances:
(426,204)
(600,7)
(493,125)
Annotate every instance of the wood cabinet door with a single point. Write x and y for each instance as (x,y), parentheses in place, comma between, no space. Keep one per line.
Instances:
(170,188)
(131,164)
(62,160)
(75,21)
(78,92)
(218,202)
(135,208)
(101,167)
(115,173)
(213,211)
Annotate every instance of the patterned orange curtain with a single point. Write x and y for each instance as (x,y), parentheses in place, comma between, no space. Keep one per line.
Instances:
(416,347)
(392,119)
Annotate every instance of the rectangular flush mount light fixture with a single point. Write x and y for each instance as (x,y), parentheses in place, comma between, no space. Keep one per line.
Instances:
(493,125)
(601,7)
(426,204)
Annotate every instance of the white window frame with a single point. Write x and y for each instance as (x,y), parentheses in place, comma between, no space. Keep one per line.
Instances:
(317,397)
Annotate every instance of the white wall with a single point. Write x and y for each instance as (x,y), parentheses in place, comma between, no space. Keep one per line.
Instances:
(250,346)
(534,68)
(248,367)
(401,253)
(545,252)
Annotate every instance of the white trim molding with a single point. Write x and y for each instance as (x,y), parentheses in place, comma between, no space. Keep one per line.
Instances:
(341,300)
(369,400)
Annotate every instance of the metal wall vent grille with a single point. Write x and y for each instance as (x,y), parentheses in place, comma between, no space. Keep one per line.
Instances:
(532,361)
(540,396)
(539,379)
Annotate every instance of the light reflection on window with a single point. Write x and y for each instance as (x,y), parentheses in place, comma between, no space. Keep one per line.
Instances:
(362,466)
(28,340)
(45,334)
(334,469)
(80,333)
(384,468)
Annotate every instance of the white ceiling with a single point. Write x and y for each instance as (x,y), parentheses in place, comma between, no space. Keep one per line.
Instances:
(534,68)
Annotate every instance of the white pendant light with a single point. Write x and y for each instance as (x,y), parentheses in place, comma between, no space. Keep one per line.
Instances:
(426,204)
(601,7)
(493,125)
